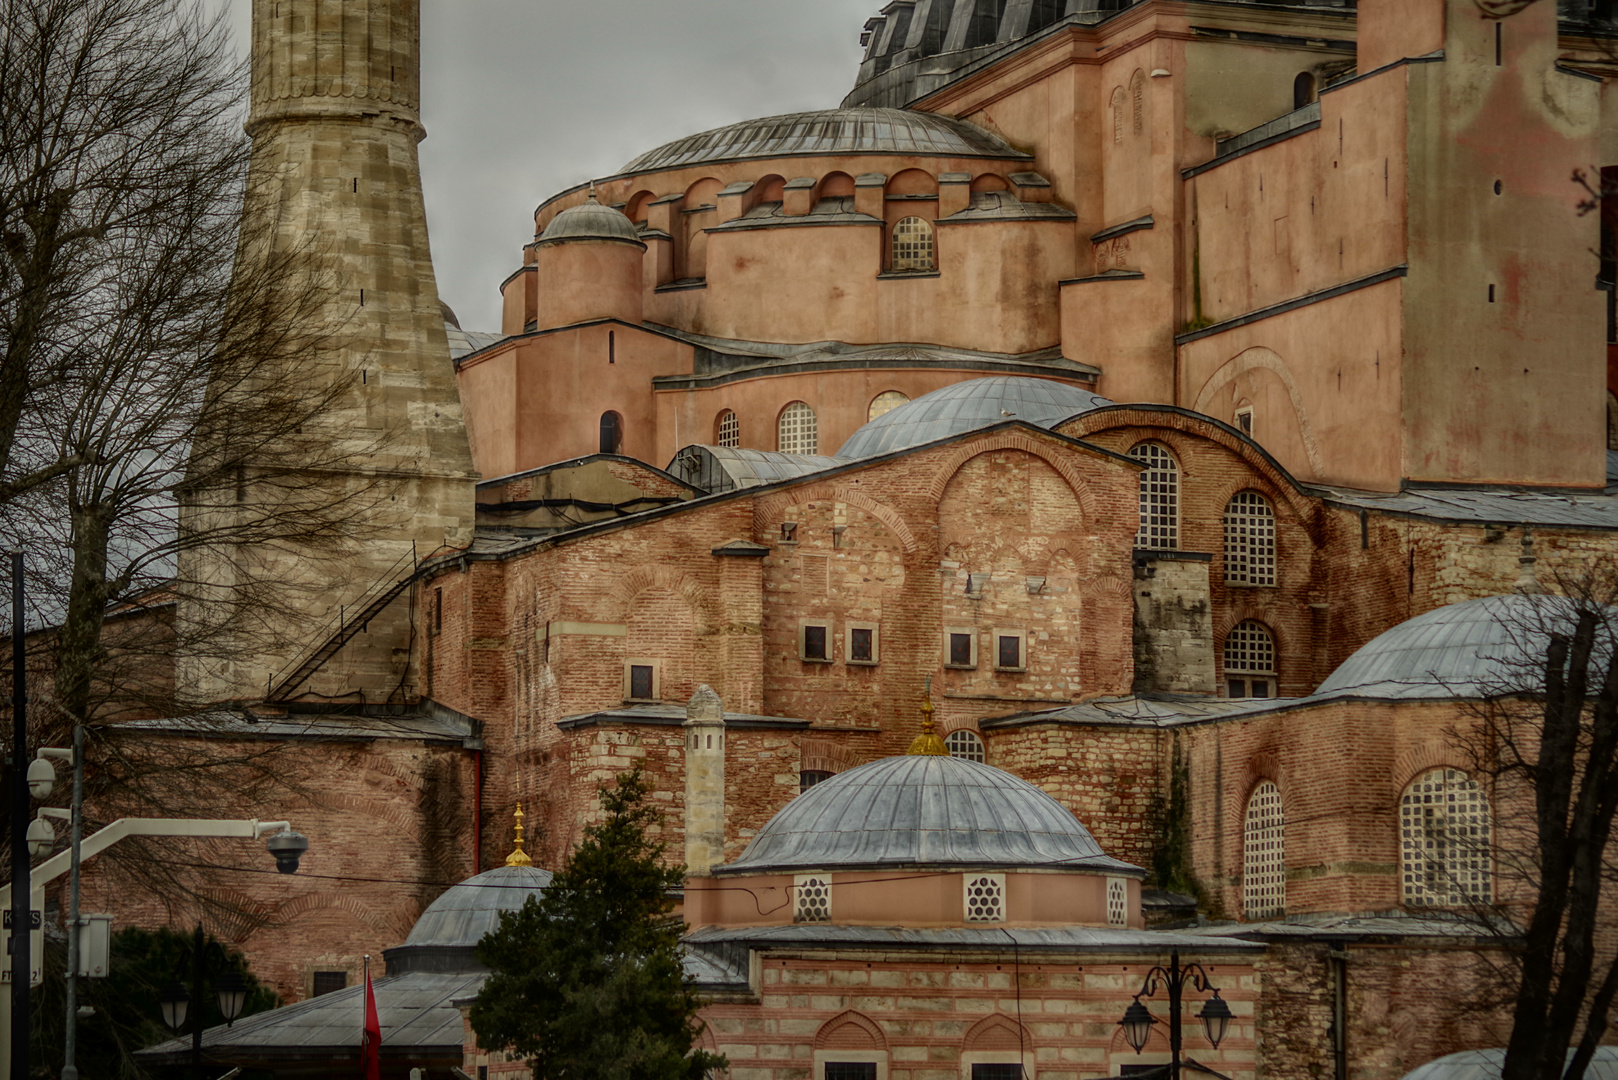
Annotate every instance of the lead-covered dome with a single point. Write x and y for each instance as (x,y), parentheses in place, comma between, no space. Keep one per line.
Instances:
(591,221)
(471,909)
(1478,648)
(927,811)
(830,131)
(965,406)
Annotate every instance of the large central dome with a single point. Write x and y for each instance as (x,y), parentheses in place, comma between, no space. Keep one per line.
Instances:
(830,131)
(923,811)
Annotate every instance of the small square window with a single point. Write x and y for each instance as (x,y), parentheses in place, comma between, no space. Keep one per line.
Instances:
(996,1071)
(814,642)
(850,1070)
(960,648)
(862,644)
(1010,650)
(642,680)
(808,778)
(326,982)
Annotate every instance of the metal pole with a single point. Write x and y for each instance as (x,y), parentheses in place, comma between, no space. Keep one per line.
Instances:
(70,1069)
(21,894)
(196,1006)
(1176,984)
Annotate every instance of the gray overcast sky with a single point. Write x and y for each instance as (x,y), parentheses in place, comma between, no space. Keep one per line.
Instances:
(523,98)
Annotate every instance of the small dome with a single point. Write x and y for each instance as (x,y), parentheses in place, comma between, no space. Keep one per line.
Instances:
(1489,1064)
(922,811)
(1478,648)
(467,911)
(591,221)
(964,406)
(830,131)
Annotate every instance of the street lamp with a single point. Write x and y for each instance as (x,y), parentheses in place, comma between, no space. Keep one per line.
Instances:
(206,959)
(1138,1020)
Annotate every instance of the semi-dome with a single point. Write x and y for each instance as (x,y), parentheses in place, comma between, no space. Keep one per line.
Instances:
(964,406)
(922,810)
(1477,648)
(830,131)
(591,221)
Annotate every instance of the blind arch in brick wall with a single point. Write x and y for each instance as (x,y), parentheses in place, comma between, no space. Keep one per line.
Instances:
(825,755)
(850,1030)
(1009,440)
(696,596)
(997,1032)
(770,511)
(1260,358)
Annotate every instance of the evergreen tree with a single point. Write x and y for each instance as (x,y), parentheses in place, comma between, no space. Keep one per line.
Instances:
(587,979)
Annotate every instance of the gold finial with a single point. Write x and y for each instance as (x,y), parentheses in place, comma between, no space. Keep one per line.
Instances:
(927,743)
(519,857)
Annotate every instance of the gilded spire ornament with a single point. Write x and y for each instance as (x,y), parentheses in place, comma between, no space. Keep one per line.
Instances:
(928,743)
(519,857)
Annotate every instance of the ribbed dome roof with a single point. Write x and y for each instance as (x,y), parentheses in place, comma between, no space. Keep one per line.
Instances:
(830,131)
(471,909)
(922,811)
(964,406)
(1478,648)
(591,221)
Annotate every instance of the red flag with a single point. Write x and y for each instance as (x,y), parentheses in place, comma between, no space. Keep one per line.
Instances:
(371,1038)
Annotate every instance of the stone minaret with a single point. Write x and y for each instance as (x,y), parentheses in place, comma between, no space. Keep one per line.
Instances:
(335,122)
(704,782)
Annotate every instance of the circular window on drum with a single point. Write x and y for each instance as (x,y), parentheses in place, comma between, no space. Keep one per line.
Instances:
(885,402)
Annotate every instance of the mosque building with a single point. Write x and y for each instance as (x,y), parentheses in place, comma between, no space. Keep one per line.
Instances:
(1191,400)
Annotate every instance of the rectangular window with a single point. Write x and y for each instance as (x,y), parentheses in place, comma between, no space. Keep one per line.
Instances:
(996,1071)
(642,679)
(850,1070)
(1010,650)
(960,648)
(861,646)
(325,982)
(814,641)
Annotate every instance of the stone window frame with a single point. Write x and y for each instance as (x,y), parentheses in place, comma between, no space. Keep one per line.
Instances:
(971,633)
(1001,633)
(727,429)
(803,642)
(876,644)
(994,908)
(1264,862)
(633,662)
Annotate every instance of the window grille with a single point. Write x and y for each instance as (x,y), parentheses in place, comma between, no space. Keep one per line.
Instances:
(1249,540)
(728,432)
(964,744)
(1117,902)
(985,897)
(1159,498)
(1249,649)
(815,643)
(996,1071)
(861,645)
(326,982)
(811,898)
(1444,830)
(808,778)
(796,432)
(961,653)
(1264,865)
(850,1070)
(640,681)
(912,245)
(885,402)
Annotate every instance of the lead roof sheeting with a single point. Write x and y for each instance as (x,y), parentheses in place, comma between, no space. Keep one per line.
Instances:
(1597,510)
(849,131)
(752,468)
(329,726)
(965,406)
(1132,711)
(989,937)
(1488,1065)
(923,811)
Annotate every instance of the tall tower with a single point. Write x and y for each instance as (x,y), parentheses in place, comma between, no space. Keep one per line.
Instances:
(334,174)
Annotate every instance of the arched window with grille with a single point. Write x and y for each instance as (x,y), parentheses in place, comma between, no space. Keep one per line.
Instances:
(912,245)
(1444,841)
(885,402)
(1250,661)
(966,744)
(1249,540)
(727,430)
(1264,863)
(612,432)
(796,432)
(1159,498)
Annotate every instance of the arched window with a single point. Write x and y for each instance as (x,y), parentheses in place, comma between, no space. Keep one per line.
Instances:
(727,430)
(966,744)
(612,432)
(1137,100)
(886,401)
(1444,830)
(1250,661)
(1249,540)
(1159,498)
(1303,90)
(795,431)
(1118,100)
(1264,864)
(912,245)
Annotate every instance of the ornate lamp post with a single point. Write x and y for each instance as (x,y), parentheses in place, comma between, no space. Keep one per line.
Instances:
(207,958)
(1138,1020)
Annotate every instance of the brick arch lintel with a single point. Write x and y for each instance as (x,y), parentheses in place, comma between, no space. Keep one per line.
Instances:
(1013,440)
(1430,754)
(997,1022)
(770,511)
(683,585)
(850,1017)
(825,755)
(336,900)
(1259,358)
